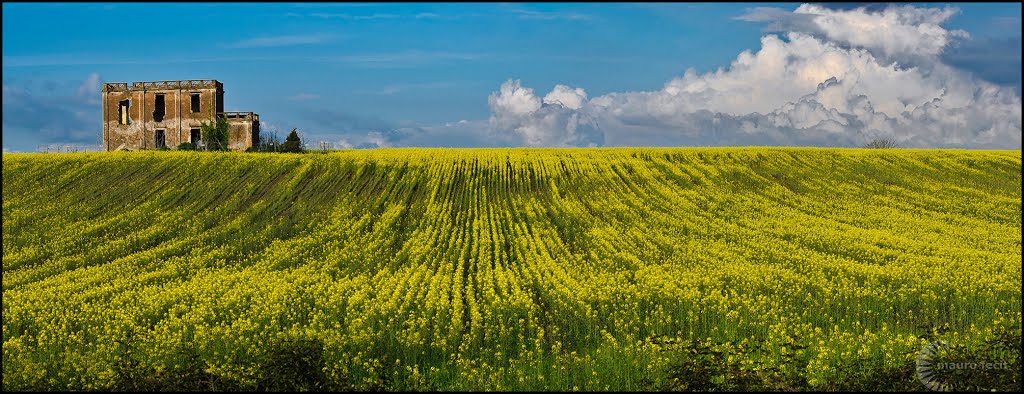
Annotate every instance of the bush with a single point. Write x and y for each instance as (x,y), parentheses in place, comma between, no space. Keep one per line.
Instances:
(1001,348)
(882,143)
(294,366)
(186,146)
(215,135)
(713,366)
(292,143)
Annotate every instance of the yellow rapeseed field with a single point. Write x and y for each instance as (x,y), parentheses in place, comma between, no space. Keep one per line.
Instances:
(503,269)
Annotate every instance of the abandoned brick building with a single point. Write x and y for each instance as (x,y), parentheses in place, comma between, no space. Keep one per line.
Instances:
(151,115)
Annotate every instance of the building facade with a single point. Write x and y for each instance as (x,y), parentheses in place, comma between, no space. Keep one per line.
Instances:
(152,115)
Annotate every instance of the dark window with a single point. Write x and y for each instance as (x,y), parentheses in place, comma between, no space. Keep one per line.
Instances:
(195,137)
(158,108)
(161,140)
(195,102)
(122,111)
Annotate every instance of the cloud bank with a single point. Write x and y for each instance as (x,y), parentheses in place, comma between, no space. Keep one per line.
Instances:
(52,113)
(829,78)
(557,120)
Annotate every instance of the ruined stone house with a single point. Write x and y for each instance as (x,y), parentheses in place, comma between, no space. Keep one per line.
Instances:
(151,115)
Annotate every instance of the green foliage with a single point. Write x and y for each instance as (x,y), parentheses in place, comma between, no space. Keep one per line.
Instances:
(295,366)
(509,269)
(992,365)
(185,146)
(215,134)
(292,143)
(188,375)
(698,365)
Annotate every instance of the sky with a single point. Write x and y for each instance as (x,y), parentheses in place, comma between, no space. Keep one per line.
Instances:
(933,75)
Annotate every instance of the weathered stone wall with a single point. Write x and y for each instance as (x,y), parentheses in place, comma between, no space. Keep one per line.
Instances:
(237,132)
(178,119)
(115,135)
(177,122)
(243,130)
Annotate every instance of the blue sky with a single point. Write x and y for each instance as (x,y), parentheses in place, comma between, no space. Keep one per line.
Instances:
(395,74)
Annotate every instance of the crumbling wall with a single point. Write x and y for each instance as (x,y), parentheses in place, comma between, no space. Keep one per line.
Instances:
(177,120)
(116,135)
(207,110)
(243,133)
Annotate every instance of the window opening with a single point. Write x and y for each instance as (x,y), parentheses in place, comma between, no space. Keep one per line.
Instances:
(158,110)
(122,111)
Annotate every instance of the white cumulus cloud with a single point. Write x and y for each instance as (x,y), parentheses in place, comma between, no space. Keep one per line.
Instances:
(832,78)
(557,121)
(566,97)
(894,33)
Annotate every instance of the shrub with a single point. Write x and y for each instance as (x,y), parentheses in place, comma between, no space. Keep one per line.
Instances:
(882,143)
(294,366)
(215,135)
(292,143)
